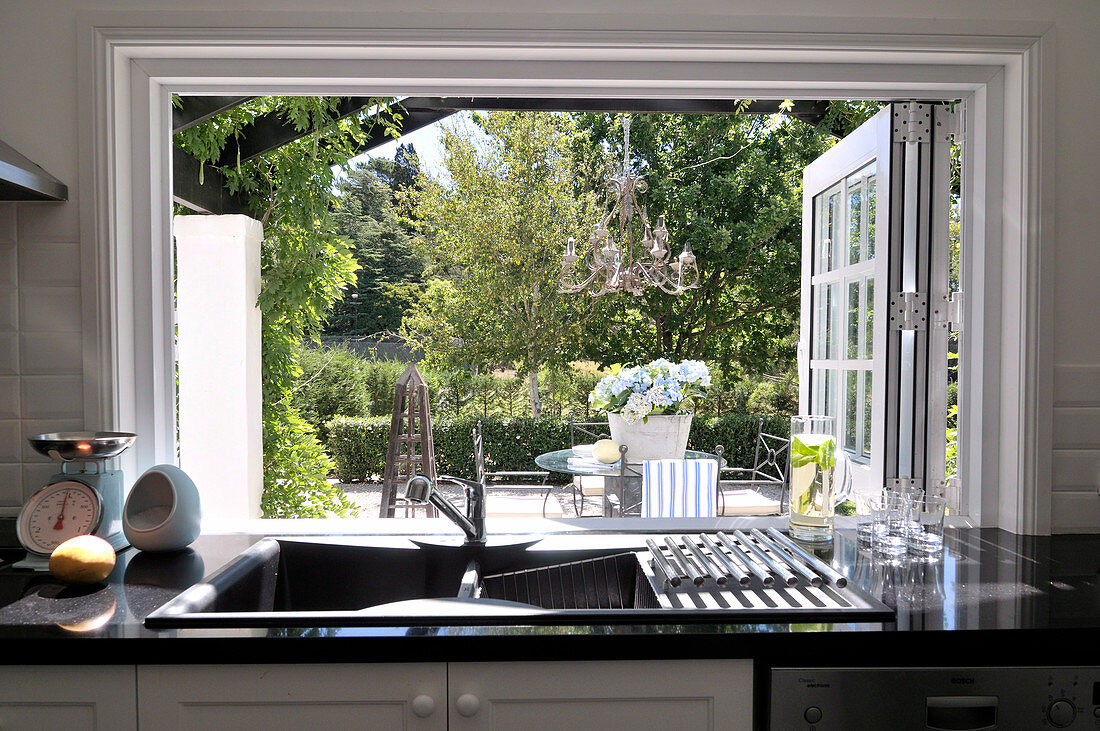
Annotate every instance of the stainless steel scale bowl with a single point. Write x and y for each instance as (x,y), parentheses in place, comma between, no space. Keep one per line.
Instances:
(82,446)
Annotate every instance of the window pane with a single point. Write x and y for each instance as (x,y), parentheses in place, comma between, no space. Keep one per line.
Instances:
(827,207)
(824,391)
(825,345)
(868,379)
(853,319)
(833,231)
(851,409)
(870,188)
(869,319)
(855,220)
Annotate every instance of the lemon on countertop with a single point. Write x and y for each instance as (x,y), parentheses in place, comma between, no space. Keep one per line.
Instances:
(83,560)
(606,451)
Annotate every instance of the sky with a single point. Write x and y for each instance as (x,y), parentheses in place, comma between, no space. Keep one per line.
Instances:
(428,144)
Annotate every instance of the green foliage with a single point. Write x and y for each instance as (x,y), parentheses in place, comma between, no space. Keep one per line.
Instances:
(844,117)
(299,459)
(379,378)
(358,444)
(496,230)
(736,433)
(952,441)
(391,272)
(774,396)
(332,382)
(304,265)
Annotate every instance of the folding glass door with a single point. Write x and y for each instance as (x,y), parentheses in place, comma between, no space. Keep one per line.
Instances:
(870,355)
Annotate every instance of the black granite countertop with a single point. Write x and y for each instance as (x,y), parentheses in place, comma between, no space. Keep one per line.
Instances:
(993,598)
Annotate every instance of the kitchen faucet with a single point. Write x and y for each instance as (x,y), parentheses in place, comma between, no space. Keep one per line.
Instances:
(421,490)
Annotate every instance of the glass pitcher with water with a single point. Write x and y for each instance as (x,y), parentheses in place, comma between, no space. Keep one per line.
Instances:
(819,478)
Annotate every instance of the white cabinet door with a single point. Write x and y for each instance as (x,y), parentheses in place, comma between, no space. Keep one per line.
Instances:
(67,697)
(270,697)
(687,695)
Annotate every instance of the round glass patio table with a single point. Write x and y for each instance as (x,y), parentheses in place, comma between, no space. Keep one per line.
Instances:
(558,461)
(628,480)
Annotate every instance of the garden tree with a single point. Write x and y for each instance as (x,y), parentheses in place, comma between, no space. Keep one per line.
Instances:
(391,272)
(304,264)
(400,172)
(497,229)
(406,167)
(843,117)
(732,186)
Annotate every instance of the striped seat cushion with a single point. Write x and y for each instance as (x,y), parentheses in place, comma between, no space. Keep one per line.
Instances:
(679,488)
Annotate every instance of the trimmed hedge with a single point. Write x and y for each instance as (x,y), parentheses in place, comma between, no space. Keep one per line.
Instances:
(358,444)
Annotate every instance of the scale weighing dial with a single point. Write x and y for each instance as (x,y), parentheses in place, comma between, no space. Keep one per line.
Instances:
(58,512)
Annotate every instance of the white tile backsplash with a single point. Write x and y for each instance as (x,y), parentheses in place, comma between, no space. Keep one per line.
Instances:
(11,449)
(49,354)
(41,353)
(9,397)
(52,397)
(11,485)
(51,309)
(35,475)
(9,354)
(7,223)
(49,265)
(9,309)
(9,265)
(51,222)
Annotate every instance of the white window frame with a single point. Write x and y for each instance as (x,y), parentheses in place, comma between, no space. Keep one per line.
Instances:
(869,145)
(131,62)
(842,277)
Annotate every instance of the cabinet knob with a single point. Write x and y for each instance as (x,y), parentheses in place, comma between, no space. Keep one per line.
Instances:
(423,706)
(468,704)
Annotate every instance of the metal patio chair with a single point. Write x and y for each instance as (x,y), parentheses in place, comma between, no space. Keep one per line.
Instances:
(769,465)
(529,479)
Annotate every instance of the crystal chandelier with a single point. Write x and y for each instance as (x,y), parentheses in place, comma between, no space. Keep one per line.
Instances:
(614,263)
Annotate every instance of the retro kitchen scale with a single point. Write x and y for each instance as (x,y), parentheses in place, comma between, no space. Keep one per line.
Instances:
(83,498)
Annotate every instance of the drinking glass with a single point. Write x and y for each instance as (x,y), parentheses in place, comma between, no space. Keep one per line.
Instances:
(925,525)
(890,525)
(812,478)
(866,505)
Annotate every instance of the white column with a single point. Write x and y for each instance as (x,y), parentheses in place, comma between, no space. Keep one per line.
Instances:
(218,352)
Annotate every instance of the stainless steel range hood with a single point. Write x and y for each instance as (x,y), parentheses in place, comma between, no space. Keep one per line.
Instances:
(22,180)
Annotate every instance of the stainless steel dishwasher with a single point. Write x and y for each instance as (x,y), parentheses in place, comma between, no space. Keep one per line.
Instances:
(936,699)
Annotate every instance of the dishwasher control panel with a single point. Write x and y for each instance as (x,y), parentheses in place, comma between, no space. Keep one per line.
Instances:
(934,699)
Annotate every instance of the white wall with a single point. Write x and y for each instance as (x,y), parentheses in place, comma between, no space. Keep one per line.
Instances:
(40,386)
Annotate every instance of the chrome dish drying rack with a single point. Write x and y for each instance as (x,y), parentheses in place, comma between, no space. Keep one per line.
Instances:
(744,576)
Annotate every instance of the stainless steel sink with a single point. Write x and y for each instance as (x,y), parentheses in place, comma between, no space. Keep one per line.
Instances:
(299,582)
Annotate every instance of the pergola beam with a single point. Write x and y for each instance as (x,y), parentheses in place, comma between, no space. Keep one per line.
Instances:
(197,109)
(809,111)
(270,131)
(211,195)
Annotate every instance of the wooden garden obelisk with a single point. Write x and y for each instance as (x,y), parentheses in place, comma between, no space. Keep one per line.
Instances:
(411,450)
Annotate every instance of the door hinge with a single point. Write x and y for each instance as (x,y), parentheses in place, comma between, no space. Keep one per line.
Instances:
(948,312)
(913,122)
(905,483)
(950,123)
(909,311)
